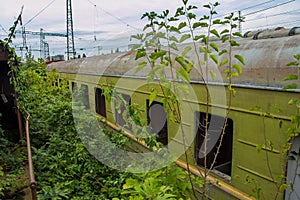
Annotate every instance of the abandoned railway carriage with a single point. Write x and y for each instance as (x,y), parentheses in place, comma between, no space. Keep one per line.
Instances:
(251,157)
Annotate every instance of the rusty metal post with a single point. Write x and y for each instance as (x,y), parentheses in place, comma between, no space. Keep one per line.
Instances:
(30,165)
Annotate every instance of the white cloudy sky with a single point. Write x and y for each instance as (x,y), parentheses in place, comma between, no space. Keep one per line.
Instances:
(108,24)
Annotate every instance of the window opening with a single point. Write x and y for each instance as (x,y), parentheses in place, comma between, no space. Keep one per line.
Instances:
(215,127)
(74,86)
(100,102)
(85,95)
(157,120)
(119,114)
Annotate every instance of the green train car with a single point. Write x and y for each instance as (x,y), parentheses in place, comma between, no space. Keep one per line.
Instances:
(252,156)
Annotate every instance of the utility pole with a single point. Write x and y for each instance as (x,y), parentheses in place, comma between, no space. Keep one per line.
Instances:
(42,37)
(46,51)
(24,41)
(70,36)
(44,46)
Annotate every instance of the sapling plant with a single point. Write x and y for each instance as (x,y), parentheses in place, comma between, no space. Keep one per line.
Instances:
(164,49)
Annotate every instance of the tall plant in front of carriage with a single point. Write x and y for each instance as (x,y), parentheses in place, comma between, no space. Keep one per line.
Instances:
(171,62)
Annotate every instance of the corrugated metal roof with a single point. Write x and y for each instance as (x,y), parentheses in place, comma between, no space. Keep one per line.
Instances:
(265,61)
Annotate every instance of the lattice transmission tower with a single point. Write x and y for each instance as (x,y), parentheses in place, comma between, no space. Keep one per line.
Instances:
(70,36)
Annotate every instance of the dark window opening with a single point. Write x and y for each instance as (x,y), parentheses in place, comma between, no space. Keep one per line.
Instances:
(157,120)
(215,127)
(100,102)
(74,86)
(60,82)
(85,95)
(119,112)
(56,83)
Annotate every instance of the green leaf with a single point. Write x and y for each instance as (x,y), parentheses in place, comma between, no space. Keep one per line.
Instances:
(225,38)
(293,102)
(233,26)
(224,62)
(232,90)
(173,38)
(152,97)
(198,37)
(186,50)
(160,35)
(184,74)
(172,19)
(233,43)
(184,37)
(191,16)
(140,66)
(185,64)
(217,21)
(290,86)
(174,46)
(158,54)
(192,7)
(256,108)
(294,63)
(149,34)
(174,29)
(213,74)
(290,77)
(199,24)
(222,52)
(240,58)
(238,68)
(181,61)
(215,32)
(283,187)
(181,25)
(214,58)
(140,53)
(214,46)
(136,46)
(297,56)
(207,6)
(130,183)
(238,34)
(224,31)
(259,147)
(204,50)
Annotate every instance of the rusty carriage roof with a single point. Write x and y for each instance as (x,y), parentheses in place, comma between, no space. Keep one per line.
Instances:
(266,54)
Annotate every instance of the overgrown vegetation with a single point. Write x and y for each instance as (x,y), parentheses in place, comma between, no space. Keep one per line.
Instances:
(12,176)
(65,169)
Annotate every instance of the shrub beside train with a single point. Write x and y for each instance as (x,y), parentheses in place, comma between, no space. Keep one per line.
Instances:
(251,155)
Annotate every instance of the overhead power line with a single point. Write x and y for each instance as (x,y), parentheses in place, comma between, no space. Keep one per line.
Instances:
(277,14)
(247,8)
(117,18)
(250,7)
(251,13)
(39,13)
(3,29)
(273,25)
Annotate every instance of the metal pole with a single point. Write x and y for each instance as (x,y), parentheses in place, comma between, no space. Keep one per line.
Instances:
(240,23)
(30,165)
